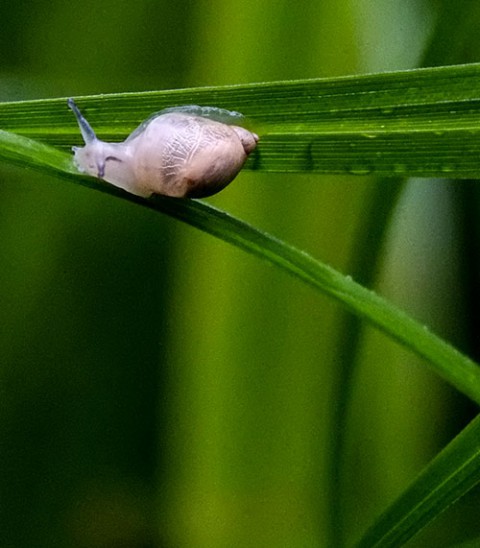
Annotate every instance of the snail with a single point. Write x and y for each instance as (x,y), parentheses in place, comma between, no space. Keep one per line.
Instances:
(183,152)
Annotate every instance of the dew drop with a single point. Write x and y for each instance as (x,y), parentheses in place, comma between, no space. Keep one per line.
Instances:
(360,170)
(400,168)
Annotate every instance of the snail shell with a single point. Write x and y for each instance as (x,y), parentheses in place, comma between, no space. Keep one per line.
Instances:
(176,153)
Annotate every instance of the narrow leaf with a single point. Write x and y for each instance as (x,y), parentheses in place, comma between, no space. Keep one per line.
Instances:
(452,473)
(456,368)
(423,122)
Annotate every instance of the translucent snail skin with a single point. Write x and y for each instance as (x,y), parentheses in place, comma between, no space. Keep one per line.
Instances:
(179,152)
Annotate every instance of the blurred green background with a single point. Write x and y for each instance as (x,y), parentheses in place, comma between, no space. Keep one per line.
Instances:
(159,388)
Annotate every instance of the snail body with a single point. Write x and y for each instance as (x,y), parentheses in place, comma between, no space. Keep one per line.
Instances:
(176,153)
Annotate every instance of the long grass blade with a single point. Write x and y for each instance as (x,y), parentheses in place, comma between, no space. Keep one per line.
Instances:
(454,367)
(423,122)
(452,473)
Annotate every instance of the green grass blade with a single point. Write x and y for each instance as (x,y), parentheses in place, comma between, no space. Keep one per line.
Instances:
(459,21)
(457,369)
(452,473)
(423,122)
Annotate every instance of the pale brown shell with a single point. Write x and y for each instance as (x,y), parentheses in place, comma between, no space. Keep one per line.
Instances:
(175,154)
